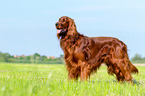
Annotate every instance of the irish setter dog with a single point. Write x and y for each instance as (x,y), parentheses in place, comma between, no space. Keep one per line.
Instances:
(84,55)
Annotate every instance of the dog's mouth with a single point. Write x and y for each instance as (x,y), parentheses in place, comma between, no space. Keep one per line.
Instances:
(58,31)
(61,32)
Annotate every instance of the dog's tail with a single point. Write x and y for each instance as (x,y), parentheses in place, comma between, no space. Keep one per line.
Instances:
(133,68)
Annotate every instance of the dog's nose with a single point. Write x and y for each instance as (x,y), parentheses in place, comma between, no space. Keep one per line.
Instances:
(57,24)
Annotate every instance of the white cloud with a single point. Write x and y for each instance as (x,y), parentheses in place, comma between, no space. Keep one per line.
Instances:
(90,8)
(52,12)
(90,19)
(138,6)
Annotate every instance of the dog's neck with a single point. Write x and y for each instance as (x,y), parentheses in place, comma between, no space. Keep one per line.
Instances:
(71,33)
(70,39)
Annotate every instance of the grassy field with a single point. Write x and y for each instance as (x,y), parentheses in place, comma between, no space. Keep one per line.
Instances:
(51,80)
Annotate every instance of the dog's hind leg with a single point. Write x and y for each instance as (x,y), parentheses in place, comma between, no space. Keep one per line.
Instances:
(120,68)
(118,60)
(127,71)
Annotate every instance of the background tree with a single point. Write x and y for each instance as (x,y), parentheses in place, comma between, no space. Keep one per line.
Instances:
(136,57)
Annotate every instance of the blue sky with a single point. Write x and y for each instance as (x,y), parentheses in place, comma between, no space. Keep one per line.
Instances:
(27,26)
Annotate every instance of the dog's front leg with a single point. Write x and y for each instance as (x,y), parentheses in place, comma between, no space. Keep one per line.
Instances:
(85,71)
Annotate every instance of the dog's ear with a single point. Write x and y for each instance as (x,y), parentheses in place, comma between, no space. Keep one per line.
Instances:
(72,27)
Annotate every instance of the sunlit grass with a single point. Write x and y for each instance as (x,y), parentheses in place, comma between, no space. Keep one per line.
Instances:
(51,80)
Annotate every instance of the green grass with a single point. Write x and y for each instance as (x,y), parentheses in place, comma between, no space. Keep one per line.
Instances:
(51,80)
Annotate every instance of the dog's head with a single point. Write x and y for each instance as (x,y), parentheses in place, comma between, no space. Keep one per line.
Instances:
(65,26)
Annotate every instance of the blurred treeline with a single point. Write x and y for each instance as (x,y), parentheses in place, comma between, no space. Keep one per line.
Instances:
(38,59)
(138,59)
(35,59)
